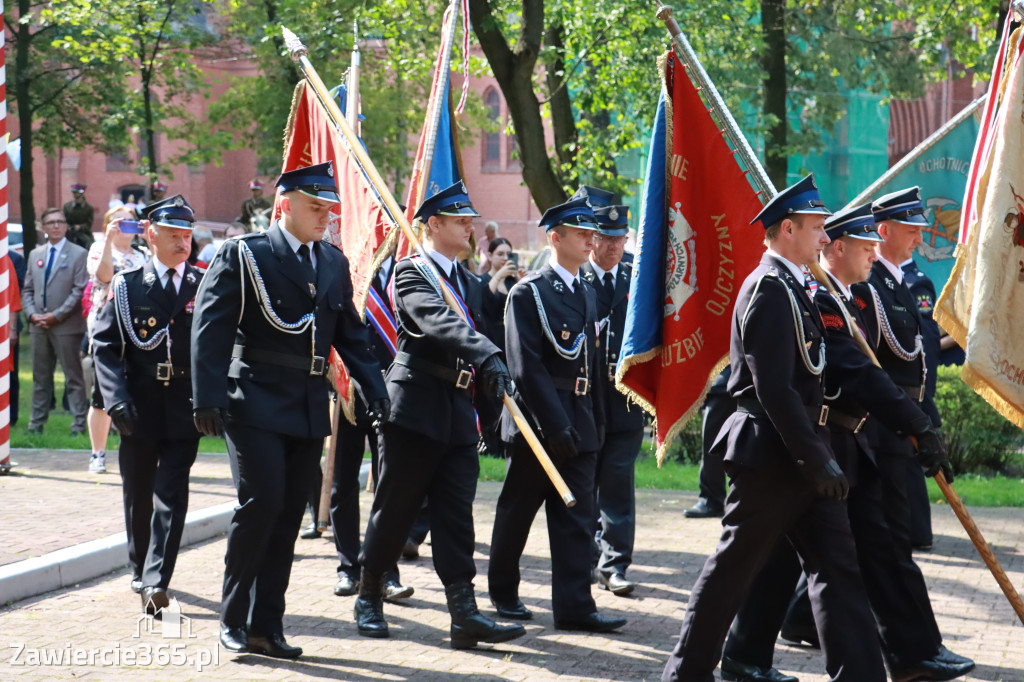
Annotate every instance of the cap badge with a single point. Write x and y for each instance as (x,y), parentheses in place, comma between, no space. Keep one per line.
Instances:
(330,169)
(462,184)
(179,202)
(613,214)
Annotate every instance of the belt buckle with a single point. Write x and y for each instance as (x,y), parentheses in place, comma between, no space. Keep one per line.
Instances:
(823,416)
(611,373)
(164,371)
(582,386)
(316,367)
(464,379)
(860,424)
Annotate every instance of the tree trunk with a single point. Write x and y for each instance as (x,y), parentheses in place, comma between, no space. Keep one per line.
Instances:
(513,70)
(147,131)
(22,92)
(562,121)
(773,27)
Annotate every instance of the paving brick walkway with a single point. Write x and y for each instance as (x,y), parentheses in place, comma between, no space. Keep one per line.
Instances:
(51,501)
(101,614)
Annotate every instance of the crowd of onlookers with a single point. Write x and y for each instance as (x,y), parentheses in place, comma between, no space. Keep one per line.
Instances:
(65,281)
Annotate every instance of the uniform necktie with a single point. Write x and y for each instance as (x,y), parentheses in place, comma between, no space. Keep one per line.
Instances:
(609,285)
(307,264)
(46,275)
(169,290)
(454,279)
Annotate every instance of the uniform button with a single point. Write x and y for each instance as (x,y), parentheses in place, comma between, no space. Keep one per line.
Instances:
(316,309)
(277,301)
(799,462)
(611,333)
(171,322)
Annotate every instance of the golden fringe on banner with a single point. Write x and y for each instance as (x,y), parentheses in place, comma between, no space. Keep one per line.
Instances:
(992,395)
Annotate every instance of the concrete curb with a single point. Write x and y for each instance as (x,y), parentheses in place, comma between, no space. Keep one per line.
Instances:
(78,563)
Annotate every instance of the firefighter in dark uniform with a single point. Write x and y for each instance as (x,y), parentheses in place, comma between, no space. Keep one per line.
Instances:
(143,363)
(893,327)
(269,310)
(554,356)
(785,481)
(623,419)
(923,291)
(80,215)
(853,384)
(429,442)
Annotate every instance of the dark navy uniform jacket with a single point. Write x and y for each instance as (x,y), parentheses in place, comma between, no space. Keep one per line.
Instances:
(767,367)
(430,331)
(621,414)
(126,373)
(922,289)
(854,386)
(269,395)
(547,381)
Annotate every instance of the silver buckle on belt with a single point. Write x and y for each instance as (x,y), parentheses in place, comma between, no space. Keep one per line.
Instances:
(860,424)
(164,370)
(316,367)
(823,416)
(582,386)
(465,379)
(611,373)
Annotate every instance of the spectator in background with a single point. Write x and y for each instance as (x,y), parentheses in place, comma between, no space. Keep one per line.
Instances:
(52,301)
(210,250)
(107,258)
(484,247)
(254,209)
(503,273)
(80,216)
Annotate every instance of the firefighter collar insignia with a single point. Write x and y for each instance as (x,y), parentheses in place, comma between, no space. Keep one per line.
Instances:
(149,279)
(891,284)
(190,278)
(559,286)
(589,276)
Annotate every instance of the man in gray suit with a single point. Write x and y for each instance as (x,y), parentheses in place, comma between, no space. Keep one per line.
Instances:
(52,302)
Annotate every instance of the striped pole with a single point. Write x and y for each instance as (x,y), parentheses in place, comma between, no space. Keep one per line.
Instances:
(5,277)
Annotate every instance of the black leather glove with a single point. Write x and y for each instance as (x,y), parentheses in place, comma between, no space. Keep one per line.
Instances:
(830,481)
(379,410)
(931,450)
(494,375)
(562,445)
(209,421)
(947,472)
(124,416)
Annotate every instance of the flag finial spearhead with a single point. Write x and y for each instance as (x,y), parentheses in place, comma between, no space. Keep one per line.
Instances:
(295,47)
(1017,7)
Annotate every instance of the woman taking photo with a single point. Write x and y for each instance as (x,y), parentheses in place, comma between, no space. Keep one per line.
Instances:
(502,276)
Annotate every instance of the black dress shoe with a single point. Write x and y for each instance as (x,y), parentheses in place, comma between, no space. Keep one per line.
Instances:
(929,669)
(273,646)
(310,532)
(411,550)
(346,586)
(798,634)
(734,671)
(394,591)
(616,583)
(234,640)
(154,599)
(136,585)
(947,656)
(592,622)
(701,510)
(512,610)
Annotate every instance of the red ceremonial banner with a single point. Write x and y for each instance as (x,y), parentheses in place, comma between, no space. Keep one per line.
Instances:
(708,249)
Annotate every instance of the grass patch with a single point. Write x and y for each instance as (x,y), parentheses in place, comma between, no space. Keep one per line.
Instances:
(983,491)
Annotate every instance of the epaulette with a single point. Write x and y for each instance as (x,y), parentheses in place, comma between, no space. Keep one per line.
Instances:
(131,269)
(531,276)
(249,235)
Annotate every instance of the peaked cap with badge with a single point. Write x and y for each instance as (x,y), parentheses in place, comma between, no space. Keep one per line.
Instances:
(452,201)
(595,196)
(170,212)
(315,181)
(573,213)
(903,206)
(854,221)
(801,197)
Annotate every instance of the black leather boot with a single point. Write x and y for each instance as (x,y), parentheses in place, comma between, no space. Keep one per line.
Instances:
(469,626)
(369,608)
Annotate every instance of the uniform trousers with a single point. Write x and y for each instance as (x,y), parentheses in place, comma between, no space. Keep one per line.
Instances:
(920,505)
(413,468)
(348,458)
(272,473)
(764,507)
(899,620)
(49,348)
(892,454)
(570,530)
(718,406)
(616,499)
(154,476)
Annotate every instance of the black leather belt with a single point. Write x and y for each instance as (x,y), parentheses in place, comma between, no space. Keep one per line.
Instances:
(462,378)
(163,371)
(316,365)
(579,385)
(846,421)
(818,415)
(915,392)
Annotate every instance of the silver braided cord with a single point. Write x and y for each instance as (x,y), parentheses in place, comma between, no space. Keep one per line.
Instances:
(125,314)
(245,256)
(890,336)
(798,327)
(578,344)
